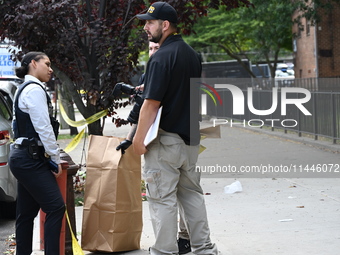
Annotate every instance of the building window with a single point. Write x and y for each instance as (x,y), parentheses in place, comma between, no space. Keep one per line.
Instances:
(308,27)
(326,53)
(300,29)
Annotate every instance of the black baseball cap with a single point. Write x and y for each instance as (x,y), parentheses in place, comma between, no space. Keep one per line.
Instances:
(160,10)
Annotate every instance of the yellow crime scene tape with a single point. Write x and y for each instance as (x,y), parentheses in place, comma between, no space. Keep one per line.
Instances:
(202,148)
(77,250)
(75,141)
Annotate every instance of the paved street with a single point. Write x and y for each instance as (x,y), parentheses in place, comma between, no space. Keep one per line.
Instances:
(281,214)
(6,229)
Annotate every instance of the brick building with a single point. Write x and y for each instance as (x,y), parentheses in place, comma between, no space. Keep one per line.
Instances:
(317,48)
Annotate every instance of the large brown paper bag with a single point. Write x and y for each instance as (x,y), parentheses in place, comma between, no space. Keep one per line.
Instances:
(112,214)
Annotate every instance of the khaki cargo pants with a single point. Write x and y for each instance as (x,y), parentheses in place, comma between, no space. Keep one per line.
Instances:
(171,177)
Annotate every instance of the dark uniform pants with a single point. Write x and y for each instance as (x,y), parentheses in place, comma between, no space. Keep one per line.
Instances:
(37,188)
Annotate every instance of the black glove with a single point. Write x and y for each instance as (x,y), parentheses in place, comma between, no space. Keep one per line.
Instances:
(124,145)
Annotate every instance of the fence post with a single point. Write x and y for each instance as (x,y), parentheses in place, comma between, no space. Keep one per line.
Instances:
(333,118)
(299,120)
(315,119)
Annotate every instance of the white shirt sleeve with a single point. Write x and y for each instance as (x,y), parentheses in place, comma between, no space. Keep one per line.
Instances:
(33,101)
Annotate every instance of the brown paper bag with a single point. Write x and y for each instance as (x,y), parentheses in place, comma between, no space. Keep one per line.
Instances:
(112,214)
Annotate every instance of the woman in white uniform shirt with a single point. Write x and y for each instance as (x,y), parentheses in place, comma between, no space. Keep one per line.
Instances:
(35,142)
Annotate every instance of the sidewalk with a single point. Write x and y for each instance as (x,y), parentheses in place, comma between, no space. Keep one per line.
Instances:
(271,215)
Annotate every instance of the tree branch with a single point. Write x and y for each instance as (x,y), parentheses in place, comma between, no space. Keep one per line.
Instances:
(239,60)
(66,81)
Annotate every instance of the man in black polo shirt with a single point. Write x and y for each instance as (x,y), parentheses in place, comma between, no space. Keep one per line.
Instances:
(170,170)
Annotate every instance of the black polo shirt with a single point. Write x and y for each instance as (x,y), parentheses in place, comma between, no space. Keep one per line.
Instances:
(167,79)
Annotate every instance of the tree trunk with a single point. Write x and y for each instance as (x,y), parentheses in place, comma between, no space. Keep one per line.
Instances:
(95,128)
(86,111)
(67,102)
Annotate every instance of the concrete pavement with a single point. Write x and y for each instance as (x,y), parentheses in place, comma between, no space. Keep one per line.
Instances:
(281,214)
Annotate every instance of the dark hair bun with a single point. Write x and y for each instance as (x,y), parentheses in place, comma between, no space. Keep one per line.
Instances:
(21,71)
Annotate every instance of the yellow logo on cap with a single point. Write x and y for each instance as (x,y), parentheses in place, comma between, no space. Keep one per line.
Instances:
(151,9)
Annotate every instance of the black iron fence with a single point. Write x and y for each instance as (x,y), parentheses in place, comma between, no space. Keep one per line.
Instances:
(288,109)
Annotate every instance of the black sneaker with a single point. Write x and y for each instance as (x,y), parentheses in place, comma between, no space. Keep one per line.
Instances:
(183,246)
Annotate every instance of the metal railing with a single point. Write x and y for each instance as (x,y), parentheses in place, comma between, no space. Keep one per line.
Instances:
(324,106)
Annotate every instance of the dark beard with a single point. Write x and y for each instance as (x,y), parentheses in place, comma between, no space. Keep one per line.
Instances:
(156,38)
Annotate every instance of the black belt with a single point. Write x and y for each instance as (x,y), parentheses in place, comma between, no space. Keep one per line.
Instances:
(19,146)
(32,148)
(29,141)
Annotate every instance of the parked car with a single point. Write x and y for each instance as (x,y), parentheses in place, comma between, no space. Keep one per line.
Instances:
(8,85)
(8,183)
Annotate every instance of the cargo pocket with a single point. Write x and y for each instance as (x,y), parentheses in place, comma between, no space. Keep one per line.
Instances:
(153,183)
(170,150)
